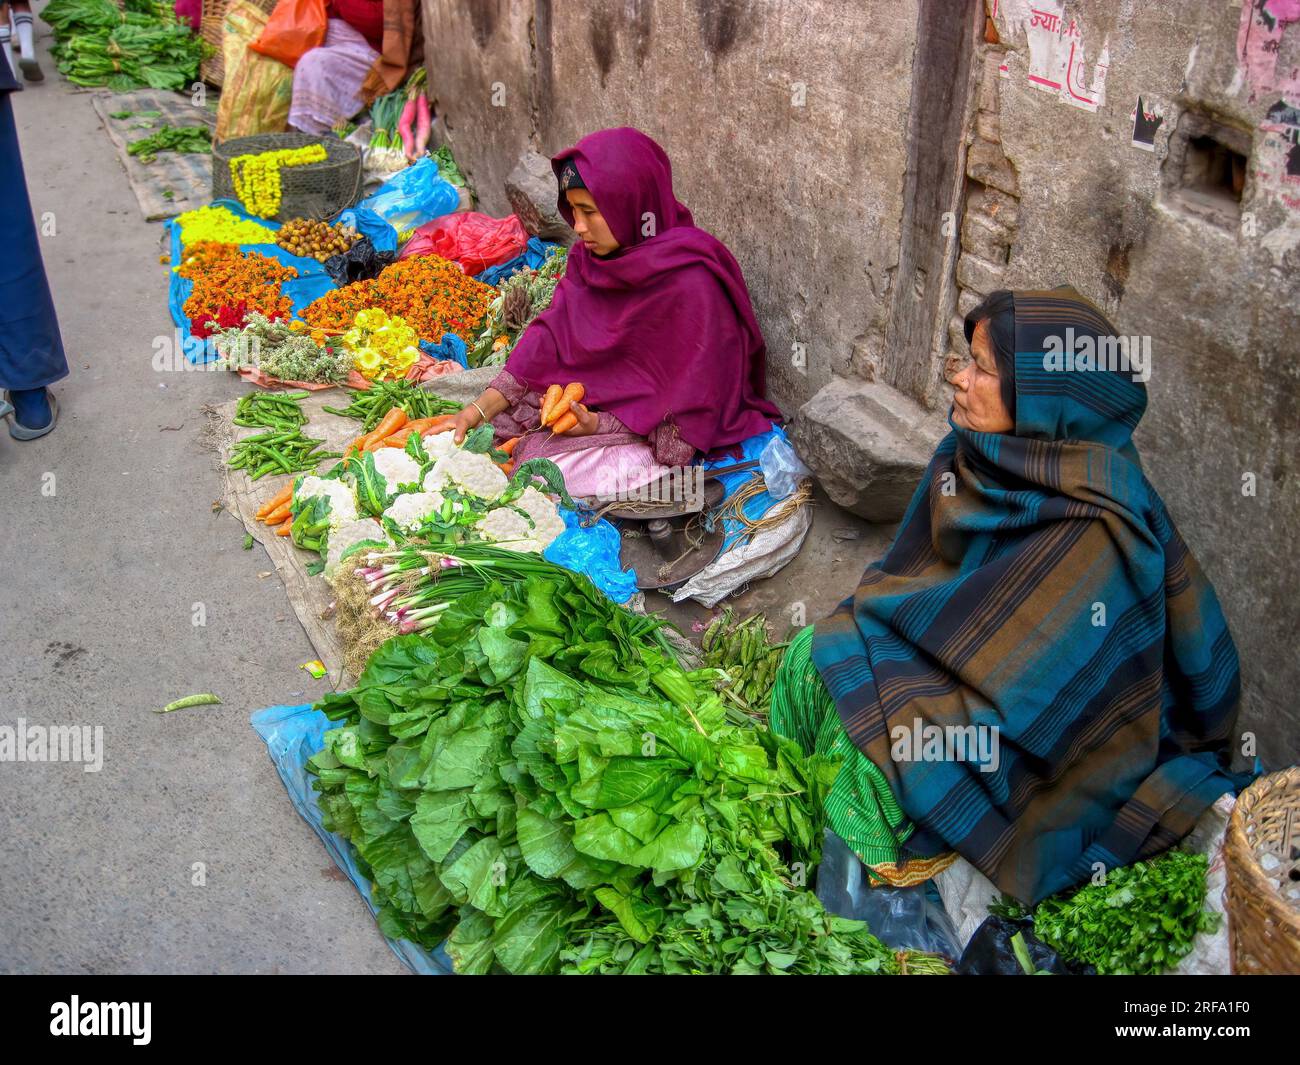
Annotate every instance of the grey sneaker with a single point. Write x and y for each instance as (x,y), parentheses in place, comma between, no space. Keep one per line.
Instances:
(31,69)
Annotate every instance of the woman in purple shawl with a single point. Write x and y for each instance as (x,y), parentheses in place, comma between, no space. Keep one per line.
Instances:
(652,318)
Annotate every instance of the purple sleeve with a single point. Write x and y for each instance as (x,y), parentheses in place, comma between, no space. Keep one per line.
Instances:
(509,386)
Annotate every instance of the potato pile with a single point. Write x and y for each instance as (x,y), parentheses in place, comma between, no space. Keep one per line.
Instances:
(315,240)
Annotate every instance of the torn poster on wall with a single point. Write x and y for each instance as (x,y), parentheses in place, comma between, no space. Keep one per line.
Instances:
(1147,118)
(1057,59)
(1259,41)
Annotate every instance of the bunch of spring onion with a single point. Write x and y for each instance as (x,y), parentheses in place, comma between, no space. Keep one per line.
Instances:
(412,586)
(386,151)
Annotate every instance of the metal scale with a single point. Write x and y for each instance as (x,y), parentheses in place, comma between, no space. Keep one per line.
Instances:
(662,524)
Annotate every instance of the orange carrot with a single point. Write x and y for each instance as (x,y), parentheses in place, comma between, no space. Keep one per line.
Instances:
(446,419)
(282,496)
(551,398)
(565,423)
(389,424)
(509,446)
(278,514)
(398,439)
(572,394)
(283,530)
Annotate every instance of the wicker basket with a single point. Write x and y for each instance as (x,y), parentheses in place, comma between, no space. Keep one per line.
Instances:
(1263,926)
(213,69)
(316,190)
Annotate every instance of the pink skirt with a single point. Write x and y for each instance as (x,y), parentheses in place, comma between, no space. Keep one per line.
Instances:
(327,80)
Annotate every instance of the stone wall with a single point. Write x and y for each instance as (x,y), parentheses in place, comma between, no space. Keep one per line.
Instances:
(877,167)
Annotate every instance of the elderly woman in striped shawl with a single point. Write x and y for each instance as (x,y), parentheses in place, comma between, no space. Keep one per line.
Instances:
(1037,676)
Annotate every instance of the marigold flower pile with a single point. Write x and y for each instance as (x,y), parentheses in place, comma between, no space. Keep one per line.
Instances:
(224,276)
(433,295)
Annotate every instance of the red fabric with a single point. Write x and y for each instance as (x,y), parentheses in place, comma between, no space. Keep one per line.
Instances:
(475,241)
(364,16)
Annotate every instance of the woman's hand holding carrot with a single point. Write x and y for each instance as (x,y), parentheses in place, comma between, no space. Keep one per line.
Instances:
(578,421)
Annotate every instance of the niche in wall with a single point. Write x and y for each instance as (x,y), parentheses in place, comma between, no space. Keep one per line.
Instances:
(1205,171)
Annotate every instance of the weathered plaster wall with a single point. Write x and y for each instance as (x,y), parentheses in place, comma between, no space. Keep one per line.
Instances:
(786,123)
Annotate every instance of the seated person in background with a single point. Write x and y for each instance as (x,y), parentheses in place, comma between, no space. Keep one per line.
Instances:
(1037,597)
(652,317)
(370,47)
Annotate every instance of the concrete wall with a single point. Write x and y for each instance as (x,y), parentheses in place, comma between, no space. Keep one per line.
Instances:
(792,113)
(800,134)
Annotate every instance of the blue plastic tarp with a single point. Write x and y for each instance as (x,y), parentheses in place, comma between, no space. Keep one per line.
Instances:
(451,347)
(531,258)
(292,735)
(595,552)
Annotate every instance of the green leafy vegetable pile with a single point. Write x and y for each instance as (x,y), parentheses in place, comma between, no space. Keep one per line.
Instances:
(194,140)
(534,780)
(1141,920)
(96,44)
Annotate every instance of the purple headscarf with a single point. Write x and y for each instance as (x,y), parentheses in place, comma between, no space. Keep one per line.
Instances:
(662,329)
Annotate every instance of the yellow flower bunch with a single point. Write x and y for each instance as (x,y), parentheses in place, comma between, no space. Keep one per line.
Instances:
(219,226)
(257,177)
(382,348)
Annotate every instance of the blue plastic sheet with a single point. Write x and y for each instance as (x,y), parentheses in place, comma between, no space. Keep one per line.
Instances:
(292,735)
(595,552)
(312,282)
(760,504)
(382,236)
(451,347)
(413,196)
(531,258)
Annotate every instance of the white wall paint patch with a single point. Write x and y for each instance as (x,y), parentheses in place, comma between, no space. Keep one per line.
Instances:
(1058,61)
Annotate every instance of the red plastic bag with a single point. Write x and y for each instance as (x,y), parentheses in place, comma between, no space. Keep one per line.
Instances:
(474,240)
(295,27)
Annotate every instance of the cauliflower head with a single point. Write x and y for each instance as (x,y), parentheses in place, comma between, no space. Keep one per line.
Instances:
(343,501)
(409,511)
(474,474)
(345,536)
(397,467)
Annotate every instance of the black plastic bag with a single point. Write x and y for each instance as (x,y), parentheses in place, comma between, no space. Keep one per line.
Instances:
(990,952)
(359,263)
(909,918)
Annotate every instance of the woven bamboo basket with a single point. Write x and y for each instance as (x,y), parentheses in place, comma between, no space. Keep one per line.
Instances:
(317,190)
(213,69)
(1263,925)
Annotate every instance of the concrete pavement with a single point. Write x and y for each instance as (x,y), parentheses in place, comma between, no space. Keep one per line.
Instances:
(99,583)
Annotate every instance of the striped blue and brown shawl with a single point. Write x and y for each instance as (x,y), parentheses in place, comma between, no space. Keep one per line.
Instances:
(1037,586)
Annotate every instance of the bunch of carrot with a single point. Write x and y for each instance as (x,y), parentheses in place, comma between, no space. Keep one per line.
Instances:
(275,511)
(394,429)
(557,407)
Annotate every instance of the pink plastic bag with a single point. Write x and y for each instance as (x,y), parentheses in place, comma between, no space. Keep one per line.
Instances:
(474,240)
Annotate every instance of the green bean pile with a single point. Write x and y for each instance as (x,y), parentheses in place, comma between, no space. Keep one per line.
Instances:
(280,447)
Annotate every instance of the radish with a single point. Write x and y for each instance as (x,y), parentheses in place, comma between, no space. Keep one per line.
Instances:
(424,125)
(404,128)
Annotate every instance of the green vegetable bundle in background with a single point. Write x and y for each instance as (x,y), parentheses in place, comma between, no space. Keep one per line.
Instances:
(534,780)
(96,44)
(519,300)
(184,139)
